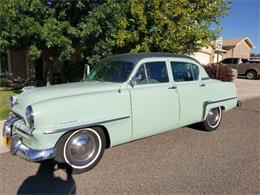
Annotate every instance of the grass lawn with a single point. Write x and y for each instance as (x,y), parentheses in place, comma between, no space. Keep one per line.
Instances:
(4,102)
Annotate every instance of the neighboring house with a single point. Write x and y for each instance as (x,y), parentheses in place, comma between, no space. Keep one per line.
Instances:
(238,47)
(19,64)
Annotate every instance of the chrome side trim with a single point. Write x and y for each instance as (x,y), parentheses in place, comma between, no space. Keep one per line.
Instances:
(84,126)
(205,104)
(23,151)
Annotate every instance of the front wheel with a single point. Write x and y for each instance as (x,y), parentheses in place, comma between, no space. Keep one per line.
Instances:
(82,149)
(212,120)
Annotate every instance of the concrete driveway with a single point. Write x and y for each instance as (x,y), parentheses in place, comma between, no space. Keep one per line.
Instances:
(247,89)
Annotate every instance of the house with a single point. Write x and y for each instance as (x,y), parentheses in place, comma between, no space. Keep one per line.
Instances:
(240,47)
(237,47)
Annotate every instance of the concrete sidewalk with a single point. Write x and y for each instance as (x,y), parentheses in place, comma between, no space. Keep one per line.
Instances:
(247,89)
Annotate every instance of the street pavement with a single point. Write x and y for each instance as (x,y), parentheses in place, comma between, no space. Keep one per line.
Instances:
(181,161)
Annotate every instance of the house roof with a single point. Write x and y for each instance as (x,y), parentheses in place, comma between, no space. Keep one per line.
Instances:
(236,41)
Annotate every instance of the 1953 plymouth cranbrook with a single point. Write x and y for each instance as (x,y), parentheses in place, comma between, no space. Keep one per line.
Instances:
(124,98)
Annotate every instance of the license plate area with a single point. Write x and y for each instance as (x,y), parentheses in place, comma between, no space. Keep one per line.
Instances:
(7,140)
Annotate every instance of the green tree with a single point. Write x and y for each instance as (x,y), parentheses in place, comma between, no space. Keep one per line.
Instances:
(57,30)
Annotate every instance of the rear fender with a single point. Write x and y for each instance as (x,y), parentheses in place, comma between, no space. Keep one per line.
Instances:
(225,104)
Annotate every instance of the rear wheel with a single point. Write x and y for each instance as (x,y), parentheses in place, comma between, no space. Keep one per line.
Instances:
(251,74)
(212,120)
(82,149)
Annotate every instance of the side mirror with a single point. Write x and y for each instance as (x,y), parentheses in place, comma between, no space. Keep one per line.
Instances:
(132,83)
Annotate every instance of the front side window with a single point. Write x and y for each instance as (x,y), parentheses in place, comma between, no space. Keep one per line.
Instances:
(183,71)
(111,71)
(151,72)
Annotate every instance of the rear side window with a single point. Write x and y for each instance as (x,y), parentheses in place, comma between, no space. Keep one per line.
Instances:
(183,71)
(152,72)
(230,61)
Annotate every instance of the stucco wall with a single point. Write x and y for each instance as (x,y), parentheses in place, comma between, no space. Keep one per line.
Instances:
(205,55)
(203,58)
(242,50)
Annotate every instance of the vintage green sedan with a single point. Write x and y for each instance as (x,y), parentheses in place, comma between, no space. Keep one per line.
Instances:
(123,98)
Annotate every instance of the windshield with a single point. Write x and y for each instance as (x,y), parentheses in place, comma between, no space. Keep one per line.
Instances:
(111,71)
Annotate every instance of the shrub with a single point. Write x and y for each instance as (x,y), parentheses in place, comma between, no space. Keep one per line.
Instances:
(10,81)
(224,72)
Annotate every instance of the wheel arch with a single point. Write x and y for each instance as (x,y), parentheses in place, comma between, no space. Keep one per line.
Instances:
(107,136)
(225,105)
(252,69)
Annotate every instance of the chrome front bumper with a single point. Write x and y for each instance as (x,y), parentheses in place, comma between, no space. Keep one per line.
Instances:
(23,151)
(20,149)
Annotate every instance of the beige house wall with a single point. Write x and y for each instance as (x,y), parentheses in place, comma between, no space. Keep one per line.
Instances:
(207,55)
(241,50)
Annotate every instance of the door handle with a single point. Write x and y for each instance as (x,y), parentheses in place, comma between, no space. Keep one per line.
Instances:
(173,87)
(203,85)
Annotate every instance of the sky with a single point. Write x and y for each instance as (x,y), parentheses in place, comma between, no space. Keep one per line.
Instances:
(243,20)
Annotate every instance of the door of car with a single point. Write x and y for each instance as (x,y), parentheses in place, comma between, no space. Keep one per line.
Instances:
(191,90)
(155,103)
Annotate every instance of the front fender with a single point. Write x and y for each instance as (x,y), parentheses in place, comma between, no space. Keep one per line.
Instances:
(55,117)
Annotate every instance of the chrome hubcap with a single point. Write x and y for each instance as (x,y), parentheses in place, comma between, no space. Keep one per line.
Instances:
(213,117)
(82,148)
(250,75)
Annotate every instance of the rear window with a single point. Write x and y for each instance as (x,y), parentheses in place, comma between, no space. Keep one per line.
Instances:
(183,71)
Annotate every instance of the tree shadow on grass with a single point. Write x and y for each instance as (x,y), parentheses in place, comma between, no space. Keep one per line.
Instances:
(45,181)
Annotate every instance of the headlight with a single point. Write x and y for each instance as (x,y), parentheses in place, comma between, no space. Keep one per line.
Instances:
(29,116)
(11,101)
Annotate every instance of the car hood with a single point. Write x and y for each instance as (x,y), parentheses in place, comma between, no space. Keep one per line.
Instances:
(41,94)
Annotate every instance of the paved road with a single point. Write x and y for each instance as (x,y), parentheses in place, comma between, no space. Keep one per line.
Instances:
(180,161)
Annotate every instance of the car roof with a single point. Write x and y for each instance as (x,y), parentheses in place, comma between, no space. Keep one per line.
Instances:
(136,57)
